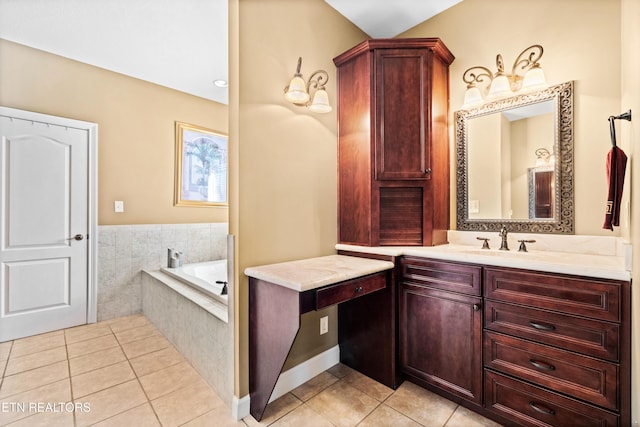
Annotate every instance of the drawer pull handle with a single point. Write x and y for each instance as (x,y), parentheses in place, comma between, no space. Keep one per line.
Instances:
(476,307)
(542,409)
(359,290)
(541,365)
(542,327)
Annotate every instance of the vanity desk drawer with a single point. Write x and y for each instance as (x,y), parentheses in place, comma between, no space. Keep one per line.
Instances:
(596,298)
(587,336)
(528,405)
(350,289)
(449,276)
(586,378)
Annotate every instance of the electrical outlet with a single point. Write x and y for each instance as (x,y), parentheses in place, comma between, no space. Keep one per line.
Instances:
(118,206)
(324,325)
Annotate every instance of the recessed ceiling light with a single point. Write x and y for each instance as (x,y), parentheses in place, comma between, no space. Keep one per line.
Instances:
(221,83)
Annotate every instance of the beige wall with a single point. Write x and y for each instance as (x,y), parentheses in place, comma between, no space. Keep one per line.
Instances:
(630,143)
(135,129)
(581,40)
(287,161)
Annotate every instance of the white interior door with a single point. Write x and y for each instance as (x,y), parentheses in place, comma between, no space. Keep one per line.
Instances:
(44,250)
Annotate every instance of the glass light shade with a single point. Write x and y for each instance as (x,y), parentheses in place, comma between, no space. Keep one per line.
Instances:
(297,92)
(500,86)
(320,102)
(534,79)
(472,97)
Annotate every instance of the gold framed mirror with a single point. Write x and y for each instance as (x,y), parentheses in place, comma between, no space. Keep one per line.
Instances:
(499,147)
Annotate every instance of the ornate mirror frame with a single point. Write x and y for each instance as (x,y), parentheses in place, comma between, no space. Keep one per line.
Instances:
(563,219)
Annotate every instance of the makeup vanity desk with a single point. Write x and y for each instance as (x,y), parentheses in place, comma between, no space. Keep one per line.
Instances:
(280,293)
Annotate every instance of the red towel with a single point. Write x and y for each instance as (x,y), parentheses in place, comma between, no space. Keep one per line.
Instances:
(616,165)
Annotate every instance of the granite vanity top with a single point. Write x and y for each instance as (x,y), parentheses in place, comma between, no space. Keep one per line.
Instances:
(306,274)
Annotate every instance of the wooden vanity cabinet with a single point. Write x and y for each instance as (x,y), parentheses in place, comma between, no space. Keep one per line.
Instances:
(556,348)
(440,320)
(393,149)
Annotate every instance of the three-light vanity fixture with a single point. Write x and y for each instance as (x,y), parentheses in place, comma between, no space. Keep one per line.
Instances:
(526,75)
(298,91)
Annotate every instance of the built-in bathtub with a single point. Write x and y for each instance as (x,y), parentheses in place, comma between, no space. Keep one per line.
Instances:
(208,277)
(186,306)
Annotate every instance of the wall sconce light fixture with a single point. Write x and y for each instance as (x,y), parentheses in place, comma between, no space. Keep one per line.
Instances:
(544,157)
(298,91)
(501,84)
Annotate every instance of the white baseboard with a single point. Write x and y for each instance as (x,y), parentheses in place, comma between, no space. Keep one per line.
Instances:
(240,407)
(303,372)
(292,378)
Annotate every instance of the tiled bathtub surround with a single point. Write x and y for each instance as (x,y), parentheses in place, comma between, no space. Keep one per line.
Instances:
(199,335)
(125,250)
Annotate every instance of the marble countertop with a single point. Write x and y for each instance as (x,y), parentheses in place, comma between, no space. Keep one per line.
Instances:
(588,265)
(306,274)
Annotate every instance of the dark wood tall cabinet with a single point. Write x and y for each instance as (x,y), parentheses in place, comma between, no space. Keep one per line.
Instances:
(393,147)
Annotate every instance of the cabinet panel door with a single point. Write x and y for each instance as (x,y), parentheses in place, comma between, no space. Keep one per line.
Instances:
(402,113)
(441,339)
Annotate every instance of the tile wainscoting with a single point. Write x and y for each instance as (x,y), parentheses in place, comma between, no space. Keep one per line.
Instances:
(125,250)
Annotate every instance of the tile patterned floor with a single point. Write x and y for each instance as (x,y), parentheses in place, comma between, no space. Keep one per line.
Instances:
(116,373)
(341,397)
(123,372)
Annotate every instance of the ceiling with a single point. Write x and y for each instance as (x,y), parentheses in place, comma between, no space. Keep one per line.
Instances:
(385,18)
(180,44)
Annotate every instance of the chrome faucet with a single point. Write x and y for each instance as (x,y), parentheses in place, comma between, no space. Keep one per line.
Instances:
(503,233)
(171,254)
(174,258)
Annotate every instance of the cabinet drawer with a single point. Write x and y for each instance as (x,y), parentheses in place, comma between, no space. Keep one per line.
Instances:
(579,376)
(529,405)
(590,337)
(350,289)
(448,276)
(596,298)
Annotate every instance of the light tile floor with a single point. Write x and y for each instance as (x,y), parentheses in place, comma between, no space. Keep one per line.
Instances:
(116,373)
(123,372)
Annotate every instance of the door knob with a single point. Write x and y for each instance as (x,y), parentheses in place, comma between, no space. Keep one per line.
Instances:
(76,237)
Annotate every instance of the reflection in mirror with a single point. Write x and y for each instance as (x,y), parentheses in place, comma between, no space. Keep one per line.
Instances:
(541,192)
(515,163)
(503,150)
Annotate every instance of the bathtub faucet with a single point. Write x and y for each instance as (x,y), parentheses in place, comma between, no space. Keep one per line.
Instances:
(224,287)
(174,258)
(171,253)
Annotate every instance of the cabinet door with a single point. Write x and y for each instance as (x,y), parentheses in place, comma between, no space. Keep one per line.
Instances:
(441,339)
(402,114)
